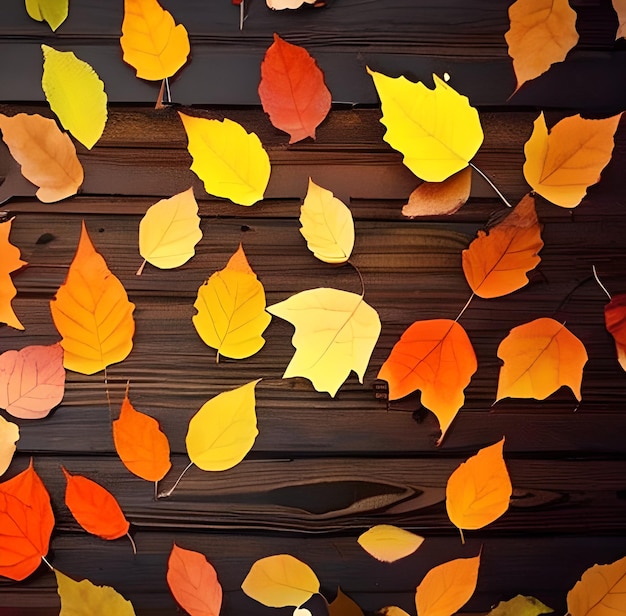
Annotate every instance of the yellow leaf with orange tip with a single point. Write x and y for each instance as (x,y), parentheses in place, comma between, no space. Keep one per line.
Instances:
(9,262)
(389,543)
(620,9)
(541,33)
(343,606)
(92,313)
(561,165)
(53,12)
(440,198)
(9,435)
(151,41)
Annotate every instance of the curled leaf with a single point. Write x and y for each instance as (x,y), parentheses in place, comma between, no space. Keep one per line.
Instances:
(520,606)
(389,543)
(440,198)
(10,261)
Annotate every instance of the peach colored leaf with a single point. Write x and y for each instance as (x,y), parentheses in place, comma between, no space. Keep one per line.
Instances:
(620,9)
(389,543)
(279,5)
(9,262)
(343,606)
(496,262)
(561,165)
(92,313)
(440,198)
(32,380)
(436,357)
(615,321)
(9,435)
(47,156)
(53,12)
(539,357)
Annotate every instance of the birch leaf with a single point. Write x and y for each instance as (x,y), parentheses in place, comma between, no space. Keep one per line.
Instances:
(389,543)
(600,591)
(9,262)
(53,12)
(9,435)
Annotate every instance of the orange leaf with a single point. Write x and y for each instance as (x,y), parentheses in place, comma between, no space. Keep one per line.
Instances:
(92,313)
(542,32)
(32,380)
(479,491)
(26,522)
(620,9)
(46,155)
(437,358)
(440,198)
(193,582)
(94,507)
(140,443)
(615,320)
(9,262)
(343,606)
(539,357)
(496,262)
(292,90)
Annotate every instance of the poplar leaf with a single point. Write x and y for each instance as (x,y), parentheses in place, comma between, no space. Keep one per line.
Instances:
(53,12)
(389,543)
(9,262)
(344,606)
(440,198)
(600,591)
(520,606)
(9,435)
(615,321)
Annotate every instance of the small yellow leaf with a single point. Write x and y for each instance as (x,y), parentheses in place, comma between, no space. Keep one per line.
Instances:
(389,543)
(520,606)
(75,94)
(9,435)
(54,12)
(230,161)
(600,591)
(343,606)
(392,610)
(280,581)
(223,431)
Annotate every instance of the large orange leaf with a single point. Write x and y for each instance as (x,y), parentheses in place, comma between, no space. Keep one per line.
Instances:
(292,90)
(496,262)
(26,522)
(615,320)
(9,262)
(539,357)
(437,358)
(92,313)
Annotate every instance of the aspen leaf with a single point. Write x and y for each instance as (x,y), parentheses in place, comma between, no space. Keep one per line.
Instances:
(436,357)
(600,591)
(292,90)
(151,41)
(561,165)
(170,230)
(343,606)
(327,225)
(53,12)
(389,543)
(615,320)
(223,431)
(75,94)
(496,262)
(520,606)
(92,313)
(9,262)
(440,198)
(541,33)
(47,156)
(437,131)
(279,5)
(32,380)
(336,332)
(9,435)
(231,162)
(620,9)
(392,610)
(280,580)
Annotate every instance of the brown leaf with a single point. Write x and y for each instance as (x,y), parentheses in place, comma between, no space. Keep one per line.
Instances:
(440,198)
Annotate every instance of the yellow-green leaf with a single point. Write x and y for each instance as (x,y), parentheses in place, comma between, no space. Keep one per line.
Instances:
(54,12)
(389,543)
(223,431)
(230,161)
(437,131)
(520,606)
(75,94)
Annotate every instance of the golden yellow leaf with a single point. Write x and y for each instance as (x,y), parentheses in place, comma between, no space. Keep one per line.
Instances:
(54,12)
(9,262)
(389,543)
(335,333)
(152,44)
(280,580)
(600,591)
(231,315)
(231,162)
(520,606)
(440,198)
(560,166)
(223,431)
(620,9)
(437,131)
(86,599)
(392,610)
(9,435)
(169,231)
(343,606)
(75,94)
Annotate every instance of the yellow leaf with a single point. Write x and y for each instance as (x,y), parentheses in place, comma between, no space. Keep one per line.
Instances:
(392,610)
(327,225)
(86,599)
(560,166)
(520,606)
(343,606)
(437,131)
(152,44)
(169,231)
(231,313)
(231,162)
(600,591)
(75,94)
(389,543)
(280,581)
(223,431)
(335,333)
(54,12)
(9,435)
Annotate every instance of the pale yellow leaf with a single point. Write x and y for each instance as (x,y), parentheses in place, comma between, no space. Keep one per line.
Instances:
(600,591)
(54,12)
(389,543)
(620,9)
(520,606)
(9,435)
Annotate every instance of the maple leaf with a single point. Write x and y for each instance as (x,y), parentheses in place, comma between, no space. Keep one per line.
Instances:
(47,156)
(520,606)
(231,313)
(231,162)
(541,33)
(292,90)
(561,165)
(9,435)
(9,262)
(279,5)
(620,9)
(389,543)
(615,320)
(496,263)
(336,332)
(92,313)
(436,357)
(343,606)
(53,12)
(437,131)
(539,357)
(440,198)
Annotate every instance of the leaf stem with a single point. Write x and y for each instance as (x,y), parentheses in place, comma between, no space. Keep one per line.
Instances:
(242,12)
(168,493)
(47,563)
(595,275)
(156,490)
(462,536)
(140,270)
(132,543)
(467,303)
(106,391)
(490,182)
(356,269)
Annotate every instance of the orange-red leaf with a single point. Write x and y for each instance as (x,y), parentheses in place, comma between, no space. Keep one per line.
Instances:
(94,507)
(292,90)
(440,198)
(437,358)
(9,262)
(615,320)
(496,262)
(193,582)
